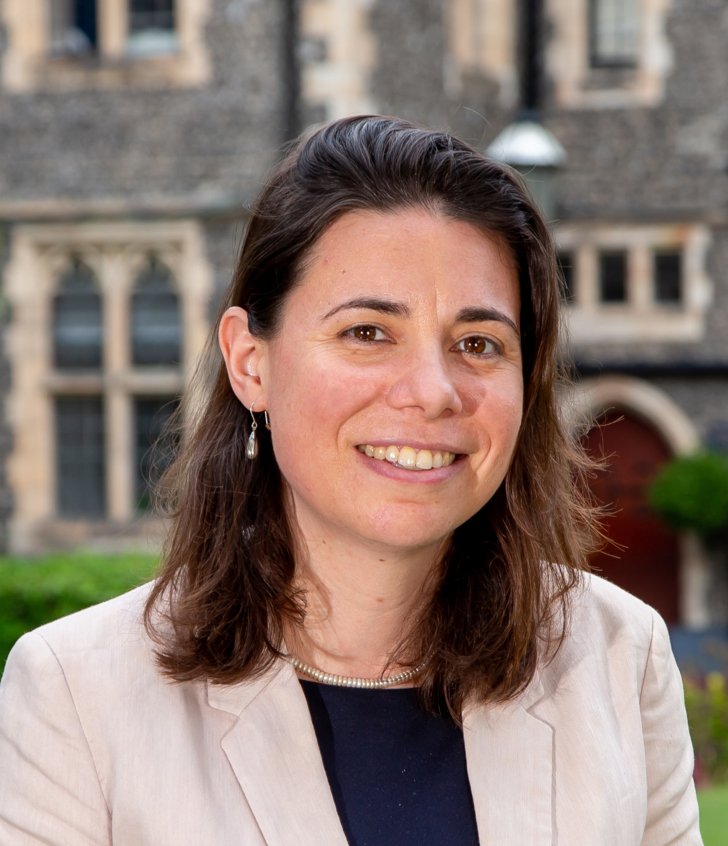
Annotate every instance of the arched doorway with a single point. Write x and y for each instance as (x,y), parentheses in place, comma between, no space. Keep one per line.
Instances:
(646,558)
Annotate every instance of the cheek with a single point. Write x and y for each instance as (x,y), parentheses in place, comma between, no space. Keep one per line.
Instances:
(500,409)
(311,399)
(512,406)
(504,429)
(512,417)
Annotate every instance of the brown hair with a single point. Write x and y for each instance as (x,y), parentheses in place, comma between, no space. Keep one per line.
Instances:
(226,586)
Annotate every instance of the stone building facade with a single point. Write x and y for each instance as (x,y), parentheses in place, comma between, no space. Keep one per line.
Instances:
(129,160)
(133,135)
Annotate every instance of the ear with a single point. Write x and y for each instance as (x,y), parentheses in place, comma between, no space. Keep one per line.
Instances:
(244,355)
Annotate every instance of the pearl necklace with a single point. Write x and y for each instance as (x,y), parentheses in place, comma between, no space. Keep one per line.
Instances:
(354,681)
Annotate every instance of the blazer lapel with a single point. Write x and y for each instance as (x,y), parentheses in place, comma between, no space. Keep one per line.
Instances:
(509,755)
(273,751)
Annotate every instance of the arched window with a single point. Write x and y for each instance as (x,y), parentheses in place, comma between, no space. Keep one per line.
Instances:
(77,320)
(156,330)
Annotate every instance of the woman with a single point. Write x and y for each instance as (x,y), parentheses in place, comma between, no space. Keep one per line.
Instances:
(358,634)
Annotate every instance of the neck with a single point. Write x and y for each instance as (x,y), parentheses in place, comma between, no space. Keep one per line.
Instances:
(360,605)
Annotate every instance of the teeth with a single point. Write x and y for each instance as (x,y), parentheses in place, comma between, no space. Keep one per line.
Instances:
(409,457)
(424,460)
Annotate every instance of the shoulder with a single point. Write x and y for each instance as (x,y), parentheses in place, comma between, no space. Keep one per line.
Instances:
(612,695)
(94,673)
(600,603)
(116,621)
(103,636)
(609,630)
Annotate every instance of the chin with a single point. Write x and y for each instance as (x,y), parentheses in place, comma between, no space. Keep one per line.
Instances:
(419,533)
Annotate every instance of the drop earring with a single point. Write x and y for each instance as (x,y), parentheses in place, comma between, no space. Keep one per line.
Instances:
(251,448)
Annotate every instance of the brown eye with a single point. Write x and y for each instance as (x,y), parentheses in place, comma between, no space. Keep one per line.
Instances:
(476,345)
(366,333)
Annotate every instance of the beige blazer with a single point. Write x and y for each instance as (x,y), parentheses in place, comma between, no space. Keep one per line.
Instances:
(97,748)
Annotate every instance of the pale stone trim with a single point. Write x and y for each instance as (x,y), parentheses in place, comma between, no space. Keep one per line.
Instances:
(695,583)
(30,464)
(599,394)
(118,207)
(116,291)
(113,25)
(340,82)
(167,380)
(482,40)
(28,65)
(115,252)
(640,318)
(566,58)
(594,396)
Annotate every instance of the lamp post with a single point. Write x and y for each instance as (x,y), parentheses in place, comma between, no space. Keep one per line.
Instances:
(534,152)
(526,144)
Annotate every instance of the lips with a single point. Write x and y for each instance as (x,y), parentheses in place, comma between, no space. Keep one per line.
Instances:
(408,457)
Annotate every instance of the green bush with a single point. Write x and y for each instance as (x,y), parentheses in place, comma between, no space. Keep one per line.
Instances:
(35,591)
(707,707)
(691,492)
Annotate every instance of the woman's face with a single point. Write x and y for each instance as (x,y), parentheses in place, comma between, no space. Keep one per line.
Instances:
(394,381)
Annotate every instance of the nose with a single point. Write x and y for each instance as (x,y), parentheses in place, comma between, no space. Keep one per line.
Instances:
(425,383)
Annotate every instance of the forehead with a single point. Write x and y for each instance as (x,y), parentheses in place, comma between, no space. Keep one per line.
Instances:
(408,252)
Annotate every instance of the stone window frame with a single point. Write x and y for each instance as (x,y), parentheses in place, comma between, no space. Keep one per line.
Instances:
(337,56)
(576,84)
(483,40)
(116,252)
(641,318)
(29,64)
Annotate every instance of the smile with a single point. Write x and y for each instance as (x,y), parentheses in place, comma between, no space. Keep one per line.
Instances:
(408,457)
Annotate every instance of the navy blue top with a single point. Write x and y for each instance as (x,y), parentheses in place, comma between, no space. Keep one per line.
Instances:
(397,774)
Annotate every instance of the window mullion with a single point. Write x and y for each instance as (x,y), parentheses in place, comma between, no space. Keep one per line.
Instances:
(117,410)
(588,275)
(119,452)
(639,278)
(113,18)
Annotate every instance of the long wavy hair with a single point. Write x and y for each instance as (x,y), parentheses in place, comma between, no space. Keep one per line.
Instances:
(226,589)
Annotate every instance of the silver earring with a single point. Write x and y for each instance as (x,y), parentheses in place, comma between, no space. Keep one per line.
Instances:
(251,448)
(267,420)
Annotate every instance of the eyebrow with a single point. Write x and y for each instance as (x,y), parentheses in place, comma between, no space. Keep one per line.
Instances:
(484,315)
(473,314)
(372,304)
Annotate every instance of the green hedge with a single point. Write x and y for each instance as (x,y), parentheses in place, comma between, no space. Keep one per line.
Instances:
(707,706)
(35,591)
(691,492)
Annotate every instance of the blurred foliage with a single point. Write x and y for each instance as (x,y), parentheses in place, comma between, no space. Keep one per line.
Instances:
(707,707)
(35,591)
(691,492)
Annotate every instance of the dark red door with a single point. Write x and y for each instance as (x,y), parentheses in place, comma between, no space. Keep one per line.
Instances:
(646,560)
